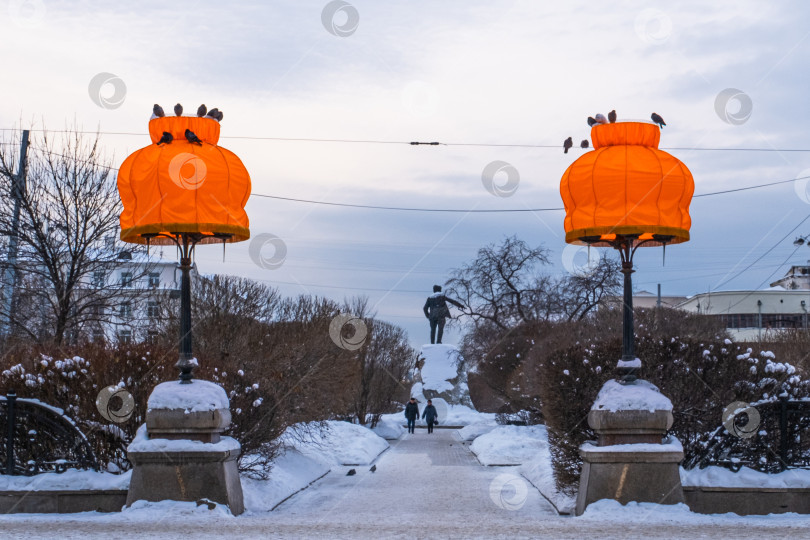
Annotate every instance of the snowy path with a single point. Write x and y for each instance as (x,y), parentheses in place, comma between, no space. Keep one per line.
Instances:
(425,486)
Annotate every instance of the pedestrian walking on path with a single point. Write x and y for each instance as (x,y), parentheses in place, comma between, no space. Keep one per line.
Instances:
(411,414)
(437,312)
(430,416)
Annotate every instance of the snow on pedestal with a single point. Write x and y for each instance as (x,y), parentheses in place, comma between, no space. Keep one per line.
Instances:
(639,396)
(195,397)
(440,376)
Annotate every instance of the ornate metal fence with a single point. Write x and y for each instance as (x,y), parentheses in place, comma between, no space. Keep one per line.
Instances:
(767,436)
(38,438)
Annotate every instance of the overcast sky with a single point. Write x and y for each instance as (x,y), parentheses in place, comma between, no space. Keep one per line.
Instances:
(449,71)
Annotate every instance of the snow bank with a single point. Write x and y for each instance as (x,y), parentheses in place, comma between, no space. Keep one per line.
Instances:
(473,431)
(148,510)
(142,443)
(611,510)
(461,415)
(292,471)
(639,396)
(539,472)
(72,479)
(510,445)
(341,443)
(746,477)
(389,429)
(197,396)
(439,367)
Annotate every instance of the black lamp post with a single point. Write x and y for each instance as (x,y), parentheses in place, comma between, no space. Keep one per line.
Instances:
(626,245)
(186,242)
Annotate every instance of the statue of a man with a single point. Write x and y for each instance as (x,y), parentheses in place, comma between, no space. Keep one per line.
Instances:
(437,312)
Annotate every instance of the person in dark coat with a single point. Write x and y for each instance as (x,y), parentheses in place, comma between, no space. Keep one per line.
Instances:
(411,413)
(437,312)
(430,416)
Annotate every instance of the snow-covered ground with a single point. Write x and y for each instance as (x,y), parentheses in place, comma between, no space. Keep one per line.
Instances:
(510,445)
(746,477)
(425,486)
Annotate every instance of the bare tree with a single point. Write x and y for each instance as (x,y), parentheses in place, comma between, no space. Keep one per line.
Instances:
(69,210)
(504,288)
(383,364)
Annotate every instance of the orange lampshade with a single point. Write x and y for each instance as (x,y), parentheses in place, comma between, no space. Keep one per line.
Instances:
(183,187)
(627,186)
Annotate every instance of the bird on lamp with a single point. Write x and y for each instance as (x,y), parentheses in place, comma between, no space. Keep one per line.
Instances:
(567,144)
(178,110)
(600,118)
(157,111)
(592,121)
(192,137)
(219,116)
(612,116)
(584,143)
(213,113)
(201,110)
(656,118)
(166,138)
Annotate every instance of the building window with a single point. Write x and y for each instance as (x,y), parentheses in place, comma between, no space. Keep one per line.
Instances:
(152,309)
(151,337)
(126,279)
(99,278)
(98,335)
(154,279)
(125,336)
(125,310)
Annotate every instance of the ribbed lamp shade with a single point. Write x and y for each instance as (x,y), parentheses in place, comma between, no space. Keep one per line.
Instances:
(183,187)
(627,186)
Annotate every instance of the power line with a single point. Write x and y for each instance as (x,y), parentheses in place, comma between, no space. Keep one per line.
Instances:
(414,143)
(735,276)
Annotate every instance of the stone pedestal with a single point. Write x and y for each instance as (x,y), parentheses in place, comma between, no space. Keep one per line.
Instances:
(179,454)
(631,461)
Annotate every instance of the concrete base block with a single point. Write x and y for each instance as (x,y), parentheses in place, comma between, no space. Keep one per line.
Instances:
(644,474)
(629,475)
(187,476)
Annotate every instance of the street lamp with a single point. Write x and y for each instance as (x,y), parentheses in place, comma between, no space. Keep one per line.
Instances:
(627,194)
(184,191)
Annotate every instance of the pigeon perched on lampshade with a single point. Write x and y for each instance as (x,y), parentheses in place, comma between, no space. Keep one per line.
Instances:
(567,144)
(178,110)
(612,116)
(213,113)
(157,110)
(201,110)
(166,138)
(656,118)
(219,116)
(600,118)
(192,137)
(584,143)
(591,121)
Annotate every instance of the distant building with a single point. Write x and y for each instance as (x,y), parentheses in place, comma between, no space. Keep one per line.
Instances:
(141,286)
(646,299)
(750,315)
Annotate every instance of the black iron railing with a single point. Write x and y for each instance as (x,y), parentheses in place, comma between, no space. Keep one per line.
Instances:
(38,438)
(767,436)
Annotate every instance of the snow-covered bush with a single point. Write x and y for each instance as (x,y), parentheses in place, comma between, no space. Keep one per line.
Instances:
(700,375)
